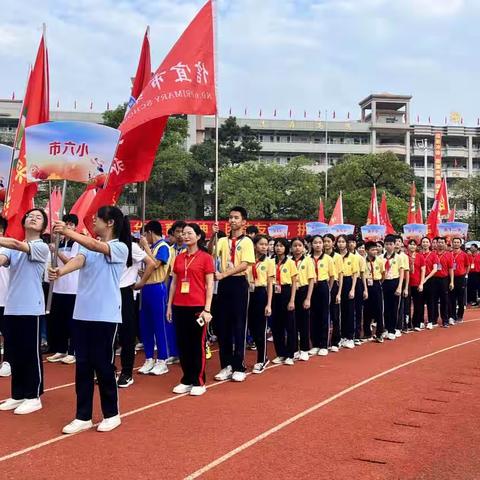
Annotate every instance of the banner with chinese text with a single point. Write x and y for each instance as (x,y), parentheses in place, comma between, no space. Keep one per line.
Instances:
(437,161)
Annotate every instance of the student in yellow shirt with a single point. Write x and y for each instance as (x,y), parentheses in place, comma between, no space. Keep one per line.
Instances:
(324,280)
(403,318)
(303,296)
(260,277)
(373,310)
(283,305)
(351,271)
(235,254)
(392,285)
(336,288)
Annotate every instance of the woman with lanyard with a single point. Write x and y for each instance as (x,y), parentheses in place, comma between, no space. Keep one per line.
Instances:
(283,305)
(260,278)
(431,266)
(24,304)
(303,297)
(324,270)
(417,279)
(336,288)
(189,306)
(97,313)
(351,271)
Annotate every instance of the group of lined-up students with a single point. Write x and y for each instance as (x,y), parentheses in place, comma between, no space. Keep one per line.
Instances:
(316,295)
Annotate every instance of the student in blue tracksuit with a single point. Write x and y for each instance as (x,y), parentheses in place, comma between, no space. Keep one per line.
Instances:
(154,328)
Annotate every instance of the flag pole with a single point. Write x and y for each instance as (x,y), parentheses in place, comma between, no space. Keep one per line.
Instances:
(55,252)
(326,158)
(144,204)
(215,42)
(50,206)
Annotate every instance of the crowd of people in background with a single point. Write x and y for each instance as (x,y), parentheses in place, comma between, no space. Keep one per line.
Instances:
(174,295)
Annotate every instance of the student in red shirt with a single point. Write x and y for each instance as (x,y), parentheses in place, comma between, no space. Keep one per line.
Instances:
(417,277)
(189,305)
(431,263)
(474,275)
(461,267)
(443,280)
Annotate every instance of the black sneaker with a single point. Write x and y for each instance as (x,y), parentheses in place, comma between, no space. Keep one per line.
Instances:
(124,381)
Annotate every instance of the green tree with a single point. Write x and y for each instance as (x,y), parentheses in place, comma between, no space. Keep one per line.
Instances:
(355,175)
(113,118)
(271,191)
(467,191)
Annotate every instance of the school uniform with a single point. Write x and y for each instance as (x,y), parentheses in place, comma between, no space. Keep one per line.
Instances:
(347,305)
(416,301)
(154,328)
(431,260)
(359,290)
(403,304)
(63,303)
(24,305)
(473,278)
(334,306)
(127,331)
(393,266)
(188,303)
(258,275)
(373,308)
(320,305)
(97,315)
(232,301)
(4,281)
(306,272)
(441,282)
(461,264)
(283,321)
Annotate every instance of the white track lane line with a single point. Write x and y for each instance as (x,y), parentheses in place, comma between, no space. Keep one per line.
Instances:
(313,408)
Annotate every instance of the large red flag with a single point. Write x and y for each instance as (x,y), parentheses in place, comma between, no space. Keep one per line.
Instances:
(419,214)
(451,215)
(373,216)
(337,215)
(412,210)
(81,207)
(384,216)
(433,220)
(53,206)
(321,212)
(35,109)
(104,196)
(442,196)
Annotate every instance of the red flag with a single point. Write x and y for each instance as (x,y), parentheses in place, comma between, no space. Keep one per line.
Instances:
(412,211)
(419,215)
(53,205)
(35,109)
(80,208)
(384,216)
(451,215)
(337,215)
(321,212)
(442,197)
(433,220)
(185,81)
(104,196)
(373,217)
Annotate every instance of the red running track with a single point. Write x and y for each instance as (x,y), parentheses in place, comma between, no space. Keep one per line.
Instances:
(402,410)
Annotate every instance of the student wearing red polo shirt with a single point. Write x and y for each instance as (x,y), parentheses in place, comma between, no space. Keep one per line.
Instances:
(461,267)
(474,275)
(189,305)
(443,280)
(431,265)
(417,278)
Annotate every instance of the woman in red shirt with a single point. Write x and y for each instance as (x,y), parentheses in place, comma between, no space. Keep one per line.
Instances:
(417,277)
(431,262)
(189,305)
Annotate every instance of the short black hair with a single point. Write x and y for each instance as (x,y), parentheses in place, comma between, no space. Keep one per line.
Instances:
(390,238)
(71,218)
(170,231)
(351,238)
(44,215)
(178,224)
(252,229)
(440,238)
(370,245)
(221,234)
(241,211)
(360,243)
(3,224)
(155,227)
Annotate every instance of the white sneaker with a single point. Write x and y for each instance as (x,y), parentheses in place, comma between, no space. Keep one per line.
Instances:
(30,405)
(278,360)
(160,368)
(303,356)
(197,391)
(422,326)
(68,359)
(260,367)
(342,342)
(322,352)
(108,424)
(239,376)
(5,370)
(398,333)
(385,334)
(182,388)
(147,366)
(77,426)
(11,404)
(357,342)
(224,374)
(451,321)
(313,351)
(138,347)
(429,326)
(57,357)
(349,344)
(172,360)
(418,329)
(289,361)
(296,356)
(391,336)
(334,348)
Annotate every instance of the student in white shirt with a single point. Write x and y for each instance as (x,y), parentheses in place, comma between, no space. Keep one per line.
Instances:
(24,304)
(97,313)
(63,301)
(5,369)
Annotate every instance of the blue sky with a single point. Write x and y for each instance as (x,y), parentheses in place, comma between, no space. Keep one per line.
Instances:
(273,54)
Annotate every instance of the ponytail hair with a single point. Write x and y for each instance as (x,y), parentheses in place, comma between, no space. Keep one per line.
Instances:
(121,226)
(199,232)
